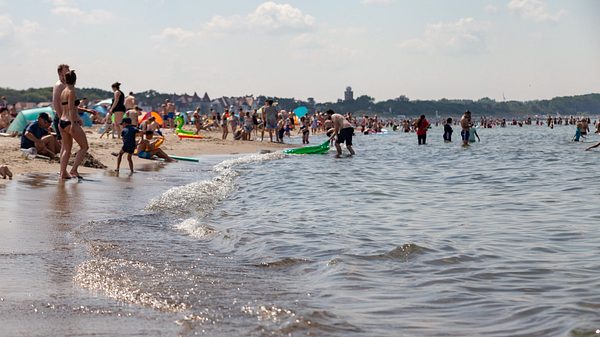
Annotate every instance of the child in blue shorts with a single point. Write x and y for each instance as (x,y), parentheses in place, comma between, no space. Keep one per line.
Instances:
(128,135)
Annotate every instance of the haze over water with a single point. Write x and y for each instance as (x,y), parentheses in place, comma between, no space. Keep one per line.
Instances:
(498,239)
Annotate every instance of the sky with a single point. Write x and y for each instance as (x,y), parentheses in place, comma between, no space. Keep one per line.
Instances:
(426,49)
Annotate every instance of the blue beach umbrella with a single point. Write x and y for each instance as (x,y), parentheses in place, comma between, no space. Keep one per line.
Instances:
(300,111)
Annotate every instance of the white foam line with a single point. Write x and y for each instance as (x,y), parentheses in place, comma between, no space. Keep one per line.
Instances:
(202,196)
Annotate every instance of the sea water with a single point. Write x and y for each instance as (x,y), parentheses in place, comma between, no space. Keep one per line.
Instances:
(496,239)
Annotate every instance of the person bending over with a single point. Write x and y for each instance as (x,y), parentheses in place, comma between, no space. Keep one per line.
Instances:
(36,135)
(343,131)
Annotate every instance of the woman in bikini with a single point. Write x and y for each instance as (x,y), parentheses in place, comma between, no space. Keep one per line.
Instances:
(70,128)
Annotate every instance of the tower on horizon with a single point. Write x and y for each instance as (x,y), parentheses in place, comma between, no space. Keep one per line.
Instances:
(348,94)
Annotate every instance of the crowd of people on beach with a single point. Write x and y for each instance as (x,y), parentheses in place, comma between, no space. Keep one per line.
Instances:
(54,137)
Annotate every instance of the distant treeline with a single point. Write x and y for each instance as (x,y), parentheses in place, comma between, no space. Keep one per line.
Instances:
(567,105)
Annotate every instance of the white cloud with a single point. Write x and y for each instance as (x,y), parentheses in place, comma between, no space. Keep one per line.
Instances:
(377,2)
(94,16)
(489,8)
(220,23)
(13,31)
(534,9)
(272,16)
(267,17)
(328,44)
(176,33)
(464,35)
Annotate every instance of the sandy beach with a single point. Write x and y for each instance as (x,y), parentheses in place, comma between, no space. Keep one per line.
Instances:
(101,149)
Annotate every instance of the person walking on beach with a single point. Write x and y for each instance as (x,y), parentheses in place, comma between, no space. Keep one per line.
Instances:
(128,135)
(270,118)
(448,130)
(421,126)
(224,123)
(70,128)
(57,90)
(170,110)
(465,125)
(342,131)
(117,108)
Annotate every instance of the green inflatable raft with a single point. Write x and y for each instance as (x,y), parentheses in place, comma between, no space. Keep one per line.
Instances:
(316,149)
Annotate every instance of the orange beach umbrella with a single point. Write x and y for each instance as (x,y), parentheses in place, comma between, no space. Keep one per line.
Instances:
(149,114)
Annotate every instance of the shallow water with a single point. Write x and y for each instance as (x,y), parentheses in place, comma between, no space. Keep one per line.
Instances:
(498,239)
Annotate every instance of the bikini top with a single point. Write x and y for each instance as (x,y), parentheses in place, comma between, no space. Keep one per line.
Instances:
(66,103)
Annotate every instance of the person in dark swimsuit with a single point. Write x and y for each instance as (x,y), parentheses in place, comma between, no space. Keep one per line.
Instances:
(117,108)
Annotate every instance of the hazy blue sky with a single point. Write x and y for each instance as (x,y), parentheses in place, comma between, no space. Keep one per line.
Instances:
(524,49)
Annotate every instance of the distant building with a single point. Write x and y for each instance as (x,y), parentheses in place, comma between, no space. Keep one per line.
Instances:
(348,94)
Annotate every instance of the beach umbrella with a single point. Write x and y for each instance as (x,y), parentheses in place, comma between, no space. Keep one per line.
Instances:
(101,110)
(300,111)
(107,101)
(149,114)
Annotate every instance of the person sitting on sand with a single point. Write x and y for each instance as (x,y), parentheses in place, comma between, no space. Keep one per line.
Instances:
(36,135)
(197,120)
(147,148)
(5,172)
(150,124)
(4,119)
(128,135)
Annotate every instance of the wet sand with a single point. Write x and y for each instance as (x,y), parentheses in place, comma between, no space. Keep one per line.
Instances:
(41,247)
(101,149)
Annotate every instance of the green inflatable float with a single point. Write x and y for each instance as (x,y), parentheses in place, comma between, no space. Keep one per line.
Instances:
(179,129)
(315,149)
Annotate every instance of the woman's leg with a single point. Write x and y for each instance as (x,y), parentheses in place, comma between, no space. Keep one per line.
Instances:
(118,120)
(65,152)
(81,139)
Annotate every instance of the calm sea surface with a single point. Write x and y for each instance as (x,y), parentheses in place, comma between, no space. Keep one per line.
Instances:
(498,239)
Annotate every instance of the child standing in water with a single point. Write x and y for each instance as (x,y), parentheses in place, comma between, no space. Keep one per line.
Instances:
(304,129)
(280,129)
(473,134)
(448,130)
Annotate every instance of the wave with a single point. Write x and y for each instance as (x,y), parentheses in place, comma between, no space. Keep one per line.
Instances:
(196,229)
(402,253)
(283,263)
(117,279)
(202,196)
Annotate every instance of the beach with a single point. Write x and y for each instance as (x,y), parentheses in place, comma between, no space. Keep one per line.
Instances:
(425,240)
(102,149)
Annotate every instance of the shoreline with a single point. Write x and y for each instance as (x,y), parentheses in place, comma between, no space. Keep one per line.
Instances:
(102,149)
